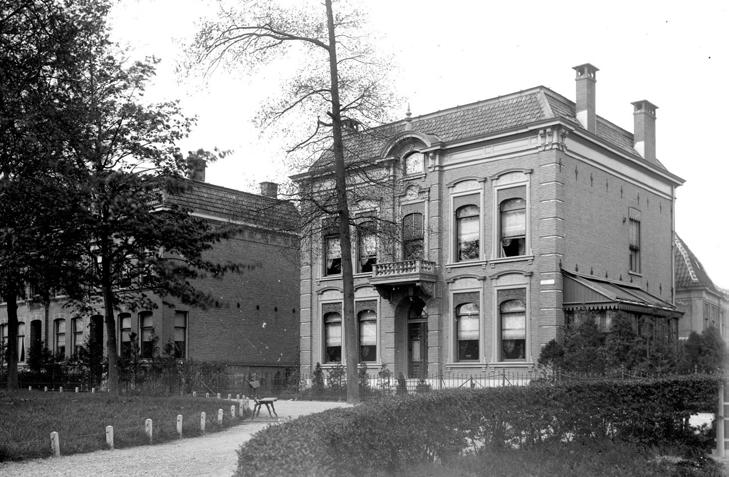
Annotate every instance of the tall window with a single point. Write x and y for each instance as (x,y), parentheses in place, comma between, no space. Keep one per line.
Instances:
(513,227)
(467,233)
(146,325)
(60,333)
(333,338)
(414,163)
(634,225)
(3,335)
(180,334)
(367,335)
(367,246)
(412,237)
(333,254)
(21,342)
(77,335)
(125,331)
(513,330)
(467,331)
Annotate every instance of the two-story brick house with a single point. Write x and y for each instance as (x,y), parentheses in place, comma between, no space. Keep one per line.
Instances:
(516,214)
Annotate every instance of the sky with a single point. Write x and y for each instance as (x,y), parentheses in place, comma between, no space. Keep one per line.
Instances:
(672,53)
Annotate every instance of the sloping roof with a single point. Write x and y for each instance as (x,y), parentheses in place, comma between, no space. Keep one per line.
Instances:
(230,204)
(484,118)
(689,272)
(597,294)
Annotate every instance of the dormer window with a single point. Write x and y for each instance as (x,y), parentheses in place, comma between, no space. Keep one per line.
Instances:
(414,164)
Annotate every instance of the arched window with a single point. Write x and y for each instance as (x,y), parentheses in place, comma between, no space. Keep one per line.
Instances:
(414,163)
(367,335)
(333,338)
(146,325)
(467,331)
(60,334)
(513,227)
(467,233)
(125,331)
(367,246)
(513,330)
(412,237)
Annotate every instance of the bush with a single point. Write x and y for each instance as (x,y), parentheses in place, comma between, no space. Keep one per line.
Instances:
(390,435)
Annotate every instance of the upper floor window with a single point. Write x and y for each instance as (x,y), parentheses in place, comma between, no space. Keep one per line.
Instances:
(467,331)
(367,246)
(414,164)
(125,331)
(146,325)
(77,335)
(467,233)
(634,225)
(512,318)
(333,337)
(333,255)
(512,226)
(367,335)
(412,237)
(180,334)
(60,333)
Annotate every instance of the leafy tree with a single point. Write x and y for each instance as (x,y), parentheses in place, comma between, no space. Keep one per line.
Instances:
(339,90)
(583,348)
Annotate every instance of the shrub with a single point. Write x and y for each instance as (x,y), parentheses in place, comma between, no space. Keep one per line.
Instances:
(317,380)
(390,435)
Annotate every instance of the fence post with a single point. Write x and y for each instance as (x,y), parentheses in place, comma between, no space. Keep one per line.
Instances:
(194,394)
(229,396)
(148,429)
(237,396)
(60,389)
(220,417)
(202,422)
(55,444)
(45,389)
(75,389)
(207,395)
(179,425)
(93,390)
(110,437)
(30,388)
(218,395)
(232,411)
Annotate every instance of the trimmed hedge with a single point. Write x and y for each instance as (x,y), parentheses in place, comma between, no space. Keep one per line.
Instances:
(386,436)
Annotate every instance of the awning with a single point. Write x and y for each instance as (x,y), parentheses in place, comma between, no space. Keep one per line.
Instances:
(583,293)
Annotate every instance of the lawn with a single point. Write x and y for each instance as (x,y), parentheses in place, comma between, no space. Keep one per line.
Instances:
(28,417)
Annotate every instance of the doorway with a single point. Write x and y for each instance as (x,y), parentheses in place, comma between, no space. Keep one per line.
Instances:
(417,344)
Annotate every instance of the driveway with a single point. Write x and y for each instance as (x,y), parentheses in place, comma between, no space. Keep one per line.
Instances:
(213,454)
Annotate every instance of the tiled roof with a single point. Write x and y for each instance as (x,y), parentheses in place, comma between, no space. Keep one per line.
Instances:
(484,118)
(230,204)
(689,271)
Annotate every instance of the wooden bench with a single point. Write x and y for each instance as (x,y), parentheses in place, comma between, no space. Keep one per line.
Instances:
(266,401)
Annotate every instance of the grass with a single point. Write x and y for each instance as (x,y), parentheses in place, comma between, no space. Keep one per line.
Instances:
(603,459)
(28,417)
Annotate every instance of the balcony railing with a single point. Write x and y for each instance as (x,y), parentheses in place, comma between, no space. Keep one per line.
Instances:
(406,267)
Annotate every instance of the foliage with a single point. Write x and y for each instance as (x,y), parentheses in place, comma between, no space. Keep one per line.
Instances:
(392,435)
(705,352)
(402,386)
(363,378)
(80,419)
(337,378)
(317,380)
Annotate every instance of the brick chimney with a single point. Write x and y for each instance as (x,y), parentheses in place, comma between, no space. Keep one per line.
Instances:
(644,129)
(269,189)
(196,169)
(585,97)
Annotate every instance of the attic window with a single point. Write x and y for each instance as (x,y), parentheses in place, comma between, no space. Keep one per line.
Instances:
(414,164)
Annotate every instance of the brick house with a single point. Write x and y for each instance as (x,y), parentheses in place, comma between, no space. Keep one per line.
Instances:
(703,303)
(517,214)
(256,322)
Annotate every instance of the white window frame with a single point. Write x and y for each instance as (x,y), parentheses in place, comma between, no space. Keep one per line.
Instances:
(508,180)
(511,281)
(459,285)
(466,187)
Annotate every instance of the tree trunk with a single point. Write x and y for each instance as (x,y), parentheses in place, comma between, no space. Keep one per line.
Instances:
(108,296)
(348,319)
(12,344)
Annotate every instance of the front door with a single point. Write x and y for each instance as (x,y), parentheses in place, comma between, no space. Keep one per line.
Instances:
(417,340)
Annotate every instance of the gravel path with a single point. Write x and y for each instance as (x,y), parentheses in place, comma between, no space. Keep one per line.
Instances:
(213,454)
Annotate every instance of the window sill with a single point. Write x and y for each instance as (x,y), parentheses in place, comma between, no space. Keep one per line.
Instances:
(359,275)
(512,364)
(520,258)
(466,364)
(469,263)
(635,274)
(410,177)
(330,278)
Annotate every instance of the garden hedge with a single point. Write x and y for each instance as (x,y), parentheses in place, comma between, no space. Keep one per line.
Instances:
(385,436)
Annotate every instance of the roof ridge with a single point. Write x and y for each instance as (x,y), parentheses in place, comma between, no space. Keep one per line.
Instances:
(686,258)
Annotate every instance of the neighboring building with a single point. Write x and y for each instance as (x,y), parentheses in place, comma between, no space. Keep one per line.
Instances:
(256,322)
(703,303)
(518,213)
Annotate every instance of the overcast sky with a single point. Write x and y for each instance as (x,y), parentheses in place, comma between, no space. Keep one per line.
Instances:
(671,53)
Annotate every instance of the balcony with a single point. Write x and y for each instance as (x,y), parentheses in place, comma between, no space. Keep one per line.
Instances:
(392,275)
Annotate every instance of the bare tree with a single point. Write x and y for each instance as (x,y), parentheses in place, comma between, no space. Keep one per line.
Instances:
(340,91)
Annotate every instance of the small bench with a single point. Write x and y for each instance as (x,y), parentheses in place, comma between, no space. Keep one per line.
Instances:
(266,401)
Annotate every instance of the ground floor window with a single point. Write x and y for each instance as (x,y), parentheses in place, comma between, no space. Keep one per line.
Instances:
(180,350)
(333,337)
(467,331)
(125,331)
(146,325)
(60,333)
(512,319)
(77,330)
(367,335)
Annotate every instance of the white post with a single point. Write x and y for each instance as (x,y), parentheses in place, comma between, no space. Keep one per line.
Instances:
(179,425)
(75,389)
(60,389)
(55,444)
(45,389)
(207,395)
(202,422)
(237,396)
(218,395)
(194,394)
(228,395)
(30,388)
(220,417)
(148,429)
(110,437)
(232,411)
(93,390)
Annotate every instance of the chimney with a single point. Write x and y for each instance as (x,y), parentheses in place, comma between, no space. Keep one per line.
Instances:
(585,97)
(269,189)
(644,129)
(196,169)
